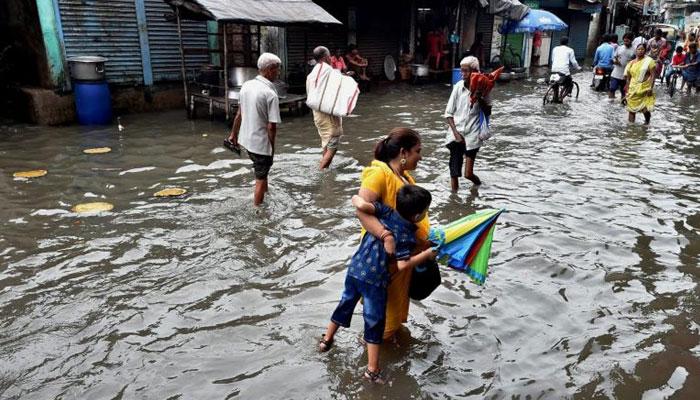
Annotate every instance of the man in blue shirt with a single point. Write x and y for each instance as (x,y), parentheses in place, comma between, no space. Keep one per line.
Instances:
(603,59)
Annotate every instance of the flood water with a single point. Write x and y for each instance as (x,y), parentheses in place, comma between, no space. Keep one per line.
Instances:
(593,287)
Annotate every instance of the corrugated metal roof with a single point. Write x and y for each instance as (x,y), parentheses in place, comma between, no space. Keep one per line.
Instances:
(259,12)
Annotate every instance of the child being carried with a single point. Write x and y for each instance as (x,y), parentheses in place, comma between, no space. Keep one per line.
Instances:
(368,272)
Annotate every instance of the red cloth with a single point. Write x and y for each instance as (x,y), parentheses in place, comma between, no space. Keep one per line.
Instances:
(678,59)
(482,84)
(338,63)
(434,43)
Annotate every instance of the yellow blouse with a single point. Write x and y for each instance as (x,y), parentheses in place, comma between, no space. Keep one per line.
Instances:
(381,180)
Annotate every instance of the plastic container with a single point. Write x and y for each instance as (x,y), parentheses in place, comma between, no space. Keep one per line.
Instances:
(456,75)
(93,103)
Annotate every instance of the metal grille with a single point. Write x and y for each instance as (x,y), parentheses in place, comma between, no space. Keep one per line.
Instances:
(578,32)
(104,28)
(163,41)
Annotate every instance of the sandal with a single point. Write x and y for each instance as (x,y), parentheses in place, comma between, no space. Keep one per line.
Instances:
(324,345)
(375,377)
(233,147)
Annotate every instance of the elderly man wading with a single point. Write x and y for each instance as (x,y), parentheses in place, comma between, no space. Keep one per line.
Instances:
(464,120)
(329,127)
(255,125)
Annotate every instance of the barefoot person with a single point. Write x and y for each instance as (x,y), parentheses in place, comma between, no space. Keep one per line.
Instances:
(255,125)
(368,273)
(639,74)
(463,120)
(329,127)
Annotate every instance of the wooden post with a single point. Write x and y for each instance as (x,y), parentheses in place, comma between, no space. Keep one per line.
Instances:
(226,71)
(182,59)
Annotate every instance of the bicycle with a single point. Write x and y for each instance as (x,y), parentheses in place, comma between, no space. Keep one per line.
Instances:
(557,91)
(507,58)
(673,79)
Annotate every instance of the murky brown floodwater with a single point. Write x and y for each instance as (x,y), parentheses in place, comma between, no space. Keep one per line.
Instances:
(593,291)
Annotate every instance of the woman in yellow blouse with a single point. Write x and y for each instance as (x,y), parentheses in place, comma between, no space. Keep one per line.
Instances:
(394,156)
(640,85)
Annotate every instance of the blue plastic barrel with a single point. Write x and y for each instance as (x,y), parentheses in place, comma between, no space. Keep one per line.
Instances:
(93,103)
(456,75)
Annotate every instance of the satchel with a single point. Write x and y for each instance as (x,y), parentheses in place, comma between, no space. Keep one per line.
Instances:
(425,279)
(484,127)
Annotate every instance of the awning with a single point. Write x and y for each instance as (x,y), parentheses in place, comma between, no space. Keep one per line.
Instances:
(258,12)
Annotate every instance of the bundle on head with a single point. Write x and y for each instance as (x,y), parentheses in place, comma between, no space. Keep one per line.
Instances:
(482,84)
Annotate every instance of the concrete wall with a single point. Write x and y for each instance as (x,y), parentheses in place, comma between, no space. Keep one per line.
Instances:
(22,53)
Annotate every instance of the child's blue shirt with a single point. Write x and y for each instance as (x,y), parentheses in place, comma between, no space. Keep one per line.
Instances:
(370,262)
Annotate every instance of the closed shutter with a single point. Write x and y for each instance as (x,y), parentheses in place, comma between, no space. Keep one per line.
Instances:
(104,28)
(378,35)
(164,43)
(484,25)
(331,37)
(578,33)
(301,42)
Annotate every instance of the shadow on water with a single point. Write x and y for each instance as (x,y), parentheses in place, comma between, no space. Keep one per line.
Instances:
(593,291)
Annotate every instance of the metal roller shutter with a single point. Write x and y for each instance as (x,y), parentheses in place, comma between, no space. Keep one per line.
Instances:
(104,28)
(378,36)
(164,43)
(484,25)
(578,33)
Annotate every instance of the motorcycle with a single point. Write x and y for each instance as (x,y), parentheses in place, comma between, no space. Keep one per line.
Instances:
(601,79)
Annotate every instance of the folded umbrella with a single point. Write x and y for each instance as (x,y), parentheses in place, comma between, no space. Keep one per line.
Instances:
(465,244)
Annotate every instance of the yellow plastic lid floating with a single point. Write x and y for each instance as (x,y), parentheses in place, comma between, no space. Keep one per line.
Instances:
(30,174)
(171,192)
(97,150)
(93,207)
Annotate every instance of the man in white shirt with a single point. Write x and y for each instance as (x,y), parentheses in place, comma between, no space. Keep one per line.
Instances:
(255,125)
(641,39)
(563,59)
(463,119)
(623,55)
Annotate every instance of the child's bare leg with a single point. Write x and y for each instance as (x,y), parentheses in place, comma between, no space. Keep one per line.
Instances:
(373,357)
(327,341)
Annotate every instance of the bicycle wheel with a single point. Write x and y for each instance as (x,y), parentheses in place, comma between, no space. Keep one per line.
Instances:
(516,61)
(575,88)
(549,95)
(672,88)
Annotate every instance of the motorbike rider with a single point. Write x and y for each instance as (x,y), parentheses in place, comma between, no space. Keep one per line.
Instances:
(563,59)
(603,60)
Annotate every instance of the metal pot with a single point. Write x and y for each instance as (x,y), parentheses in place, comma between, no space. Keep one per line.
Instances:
(238,75)
(419,70)
(87,68)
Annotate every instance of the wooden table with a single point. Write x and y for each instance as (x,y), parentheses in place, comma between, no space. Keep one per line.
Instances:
(292,103)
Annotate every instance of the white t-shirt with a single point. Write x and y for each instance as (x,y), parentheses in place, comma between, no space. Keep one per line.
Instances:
(637,41)
(465,115)
(563,57)
(624,55)
(259,106)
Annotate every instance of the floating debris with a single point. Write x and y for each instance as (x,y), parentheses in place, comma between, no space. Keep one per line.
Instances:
(93,207)
(97,150)
(170,192)
(30,174)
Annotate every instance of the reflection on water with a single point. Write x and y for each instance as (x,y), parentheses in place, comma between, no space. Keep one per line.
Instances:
(593,292)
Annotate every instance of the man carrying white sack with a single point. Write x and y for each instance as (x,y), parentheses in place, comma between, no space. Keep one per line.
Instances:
(329,127)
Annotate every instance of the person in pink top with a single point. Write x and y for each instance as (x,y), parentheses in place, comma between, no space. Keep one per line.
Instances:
(338,62)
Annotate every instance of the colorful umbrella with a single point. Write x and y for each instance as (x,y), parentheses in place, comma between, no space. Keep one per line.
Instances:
(535,20)
(465,244)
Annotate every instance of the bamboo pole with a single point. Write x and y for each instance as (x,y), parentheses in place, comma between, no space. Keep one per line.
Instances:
(182,59)
(226,71)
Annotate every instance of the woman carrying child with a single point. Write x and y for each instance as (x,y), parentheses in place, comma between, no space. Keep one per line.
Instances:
(394,156)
